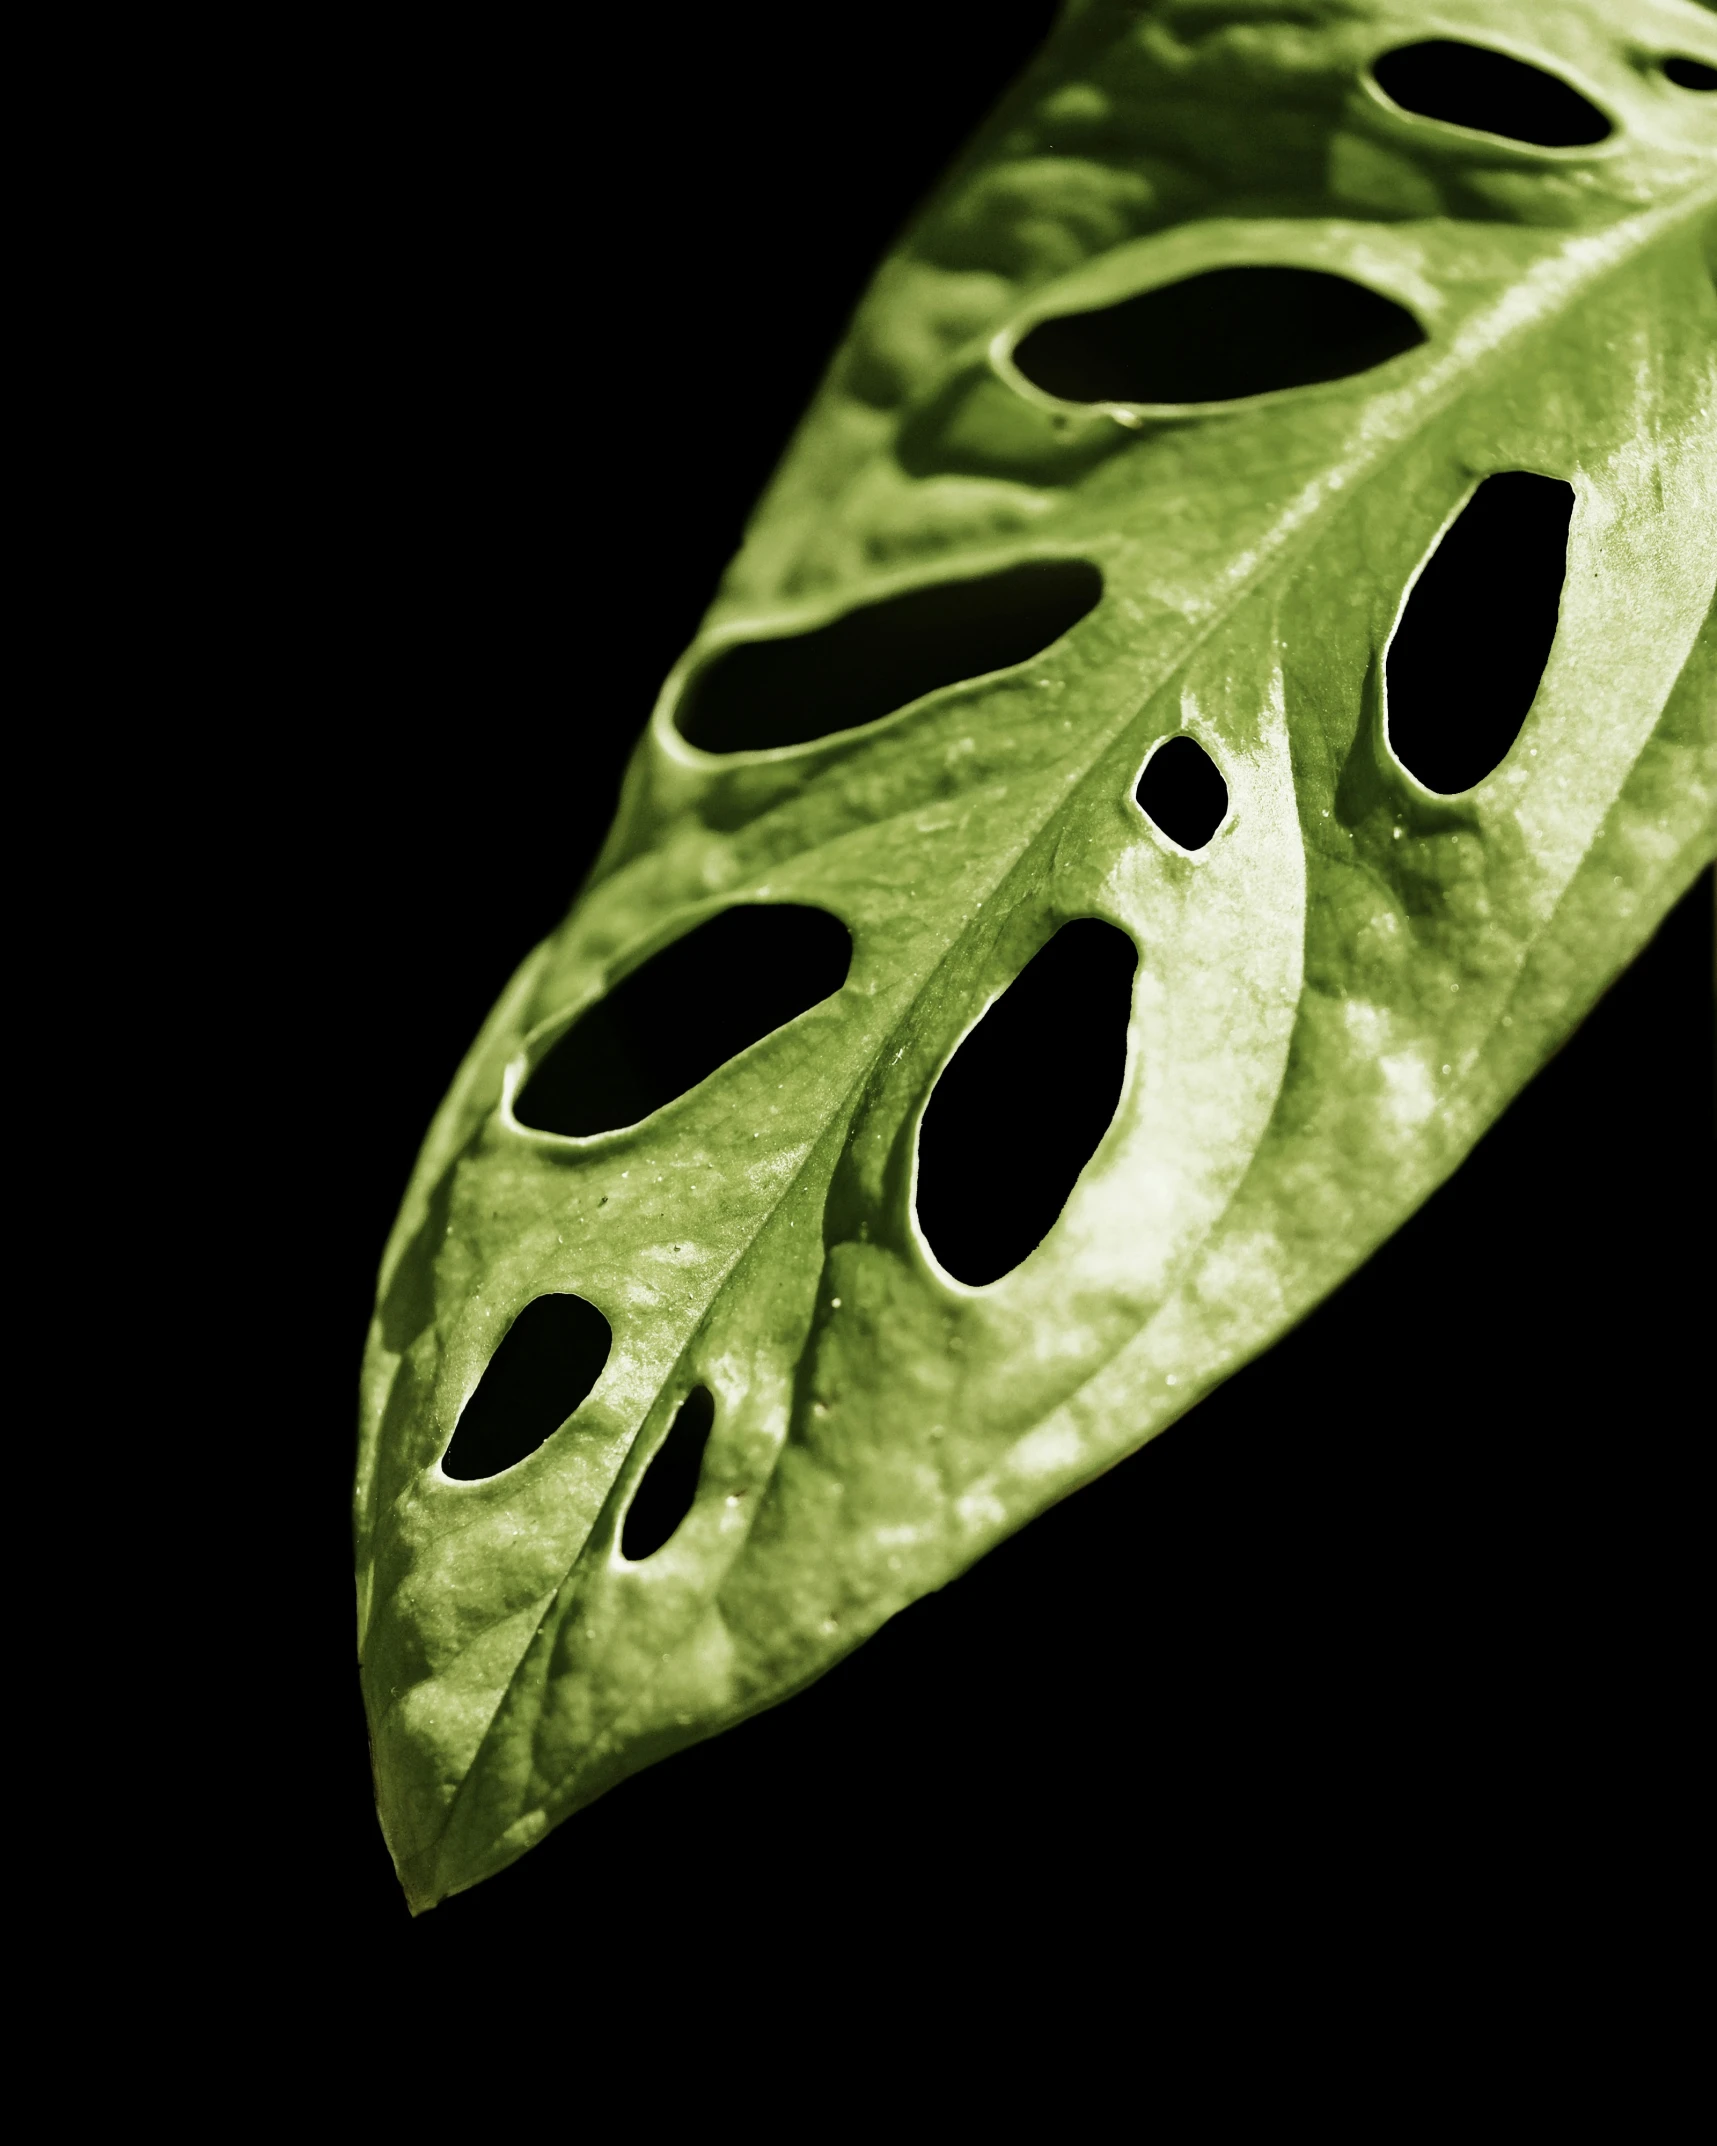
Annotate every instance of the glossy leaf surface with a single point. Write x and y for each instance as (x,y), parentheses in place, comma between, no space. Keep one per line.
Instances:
(1334,993)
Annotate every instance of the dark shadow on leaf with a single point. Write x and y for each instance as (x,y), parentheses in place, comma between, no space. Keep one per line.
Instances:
(981,426)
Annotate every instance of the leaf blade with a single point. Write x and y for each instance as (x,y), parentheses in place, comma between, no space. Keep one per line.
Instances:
(532,1678)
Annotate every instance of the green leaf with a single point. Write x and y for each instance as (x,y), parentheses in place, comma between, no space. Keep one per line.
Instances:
(1333,998)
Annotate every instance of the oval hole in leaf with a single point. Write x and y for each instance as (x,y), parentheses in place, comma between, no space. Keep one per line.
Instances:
(1690,74)
(1465,660)
(1473,86)
(1020,1108)
(760,695)
(549,1359)
(683,1013)
(663,1499)
(1218,336)
(1183,792)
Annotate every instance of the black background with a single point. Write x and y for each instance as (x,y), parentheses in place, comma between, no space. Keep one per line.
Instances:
(1391,1634)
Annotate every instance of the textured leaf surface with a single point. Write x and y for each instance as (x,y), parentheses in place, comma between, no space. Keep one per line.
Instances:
(1332,1000)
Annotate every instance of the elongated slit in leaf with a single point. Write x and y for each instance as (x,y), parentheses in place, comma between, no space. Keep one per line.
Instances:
(1465,661)
(793,688)
(1183,792)
(685,1012)
(548,1361)
(664,1497)
(1493,93)
(1024,1102)
(1218,336)
(1690,74)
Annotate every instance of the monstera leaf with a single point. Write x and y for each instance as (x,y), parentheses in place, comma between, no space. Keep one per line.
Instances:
(1222,680)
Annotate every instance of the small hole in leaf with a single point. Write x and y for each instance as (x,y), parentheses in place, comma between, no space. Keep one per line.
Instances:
(1473,86)
(1182,790)
(786,691)
(1465,661)
(1022,1105)
(683,1013)
(1218,336)
(1690,74)
(549,1359)
(663,1499)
